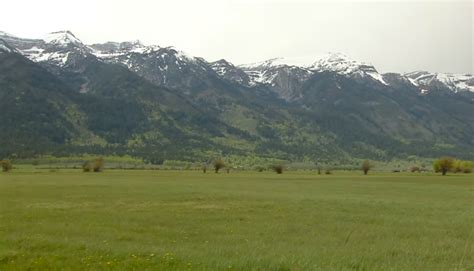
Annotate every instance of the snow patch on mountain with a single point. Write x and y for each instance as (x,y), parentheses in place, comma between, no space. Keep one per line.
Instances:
(39,55)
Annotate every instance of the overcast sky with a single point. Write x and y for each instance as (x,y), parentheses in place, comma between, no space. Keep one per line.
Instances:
(397,36)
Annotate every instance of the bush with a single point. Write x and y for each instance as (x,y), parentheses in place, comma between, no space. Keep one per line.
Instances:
(6,165)
(366,166)
(218,164)
(443,165)
(328,172)
(278,169)
(415,169)
(462,166)
(86,167)
(96,166)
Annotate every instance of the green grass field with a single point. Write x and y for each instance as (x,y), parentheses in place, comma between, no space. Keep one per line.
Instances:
(165,220)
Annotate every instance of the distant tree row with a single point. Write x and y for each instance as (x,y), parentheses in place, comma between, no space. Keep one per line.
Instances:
(219,164)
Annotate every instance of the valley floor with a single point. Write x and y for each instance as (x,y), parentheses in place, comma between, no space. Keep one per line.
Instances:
(170,220)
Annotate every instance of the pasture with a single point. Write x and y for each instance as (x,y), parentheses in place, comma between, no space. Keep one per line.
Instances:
(187,220)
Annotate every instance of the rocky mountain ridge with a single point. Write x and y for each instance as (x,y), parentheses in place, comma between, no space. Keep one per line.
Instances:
(159,102)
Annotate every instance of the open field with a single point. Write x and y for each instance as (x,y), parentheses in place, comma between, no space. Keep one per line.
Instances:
(169,220)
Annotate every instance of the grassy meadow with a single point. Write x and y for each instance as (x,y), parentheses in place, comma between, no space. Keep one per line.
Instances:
(187,220)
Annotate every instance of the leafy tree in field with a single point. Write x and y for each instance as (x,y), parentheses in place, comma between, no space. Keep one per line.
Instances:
(278,168)
(443,165)
(218,164)
(6,165)
(366,166)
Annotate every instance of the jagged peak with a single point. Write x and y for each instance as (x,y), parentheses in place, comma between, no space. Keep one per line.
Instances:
(222,62)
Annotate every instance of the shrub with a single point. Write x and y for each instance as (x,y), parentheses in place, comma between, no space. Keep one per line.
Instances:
(462,166)
(6,165)
(366,166)
(415,169)
(98,165)
(443,165)
(218,164)
(328,172)
(86,167)
(278,169)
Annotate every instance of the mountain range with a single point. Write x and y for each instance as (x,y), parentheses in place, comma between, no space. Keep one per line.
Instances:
(62,97)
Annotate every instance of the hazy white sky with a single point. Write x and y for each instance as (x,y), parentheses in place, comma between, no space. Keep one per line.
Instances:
(396,36)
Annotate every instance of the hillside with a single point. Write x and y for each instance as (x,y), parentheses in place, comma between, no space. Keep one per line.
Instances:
(60,96)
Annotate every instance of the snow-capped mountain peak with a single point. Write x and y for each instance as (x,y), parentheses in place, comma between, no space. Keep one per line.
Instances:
(342,64)
(57,49)
(62,38)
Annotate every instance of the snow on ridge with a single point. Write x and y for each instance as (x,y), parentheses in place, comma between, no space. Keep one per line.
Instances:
(265,72)
(4,48)
(3,33)
(221,66)
(270,63)
(455,82)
